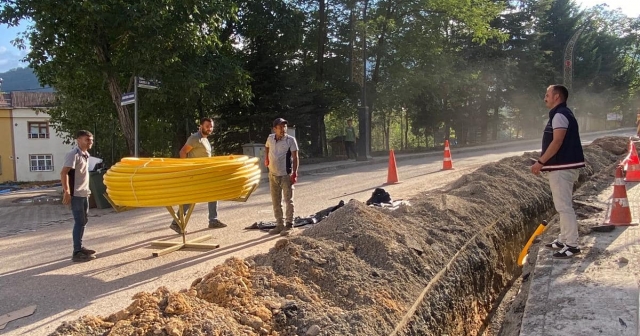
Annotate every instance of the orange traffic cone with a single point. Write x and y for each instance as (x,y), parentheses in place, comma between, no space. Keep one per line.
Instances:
(632,164)
(620,214)
(633,173)
(632,157)
(392,175)
(447,163)
(633,153)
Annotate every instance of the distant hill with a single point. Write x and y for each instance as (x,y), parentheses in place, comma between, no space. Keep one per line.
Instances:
(21,79)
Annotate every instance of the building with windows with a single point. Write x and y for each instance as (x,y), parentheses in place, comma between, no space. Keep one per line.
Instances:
(7,169)
(38,153)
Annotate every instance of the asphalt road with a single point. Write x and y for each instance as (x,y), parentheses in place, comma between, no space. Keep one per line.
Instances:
(35,266)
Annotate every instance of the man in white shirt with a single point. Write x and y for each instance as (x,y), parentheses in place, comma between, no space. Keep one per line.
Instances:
(281,157)
(74,178)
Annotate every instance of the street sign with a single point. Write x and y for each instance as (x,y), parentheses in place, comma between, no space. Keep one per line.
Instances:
(148,83)
(127,98)
(614,117)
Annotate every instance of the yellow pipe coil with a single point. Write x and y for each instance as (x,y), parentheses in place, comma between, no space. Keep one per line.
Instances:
(159,182)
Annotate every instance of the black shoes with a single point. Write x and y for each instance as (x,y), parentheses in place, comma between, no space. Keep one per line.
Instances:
(87,251)
(566,252)
(555,245)
(216,224)
(83,255)
(175,227)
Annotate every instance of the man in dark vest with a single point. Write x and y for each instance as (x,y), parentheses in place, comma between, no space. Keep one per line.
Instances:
(560,158)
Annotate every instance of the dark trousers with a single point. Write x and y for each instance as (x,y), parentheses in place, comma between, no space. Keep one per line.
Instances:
(350,146)
(80,210)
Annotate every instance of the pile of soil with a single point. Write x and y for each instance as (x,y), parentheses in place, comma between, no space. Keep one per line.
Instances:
(437,267)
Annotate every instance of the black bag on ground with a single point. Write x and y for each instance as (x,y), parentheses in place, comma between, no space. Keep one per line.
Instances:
(379,196)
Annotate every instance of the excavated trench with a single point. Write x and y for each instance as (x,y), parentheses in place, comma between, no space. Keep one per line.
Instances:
(437,267)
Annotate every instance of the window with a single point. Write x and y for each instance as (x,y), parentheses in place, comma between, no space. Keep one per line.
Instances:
(39,130)
(41,162)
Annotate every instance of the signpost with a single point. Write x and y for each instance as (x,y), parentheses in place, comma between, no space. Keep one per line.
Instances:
(614,117)
(127,98)
(132,98)
(148,83)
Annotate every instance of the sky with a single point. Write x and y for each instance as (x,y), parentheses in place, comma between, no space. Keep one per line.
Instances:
(10,56)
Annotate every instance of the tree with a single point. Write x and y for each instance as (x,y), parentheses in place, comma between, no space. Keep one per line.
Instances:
(95,48)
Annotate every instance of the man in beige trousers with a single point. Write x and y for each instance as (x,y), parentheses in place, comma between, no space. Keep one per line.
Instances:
(281,157)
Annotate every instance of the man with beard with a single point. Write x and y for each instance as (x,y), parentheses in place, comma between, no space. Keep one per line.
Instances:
(561,157)
(281,156)
(199,146)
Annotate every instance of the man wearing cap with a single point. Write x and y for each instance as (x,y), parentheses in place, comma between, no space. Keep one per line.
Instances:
(282,159)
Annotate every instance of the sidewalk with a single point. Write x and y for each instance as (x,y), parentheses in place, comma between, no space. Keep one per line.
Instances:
(596,292)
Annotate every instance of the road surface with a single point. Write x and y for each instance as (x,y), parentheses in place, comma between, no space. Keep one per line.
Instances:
(35,240)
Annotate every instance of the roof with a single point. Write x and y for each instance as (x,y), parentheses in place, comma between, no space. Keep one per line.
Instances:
(5,99)
(32,99)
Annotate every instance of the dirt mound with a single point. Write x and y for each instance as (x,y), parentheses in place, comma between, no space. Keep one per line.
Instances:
(433,268)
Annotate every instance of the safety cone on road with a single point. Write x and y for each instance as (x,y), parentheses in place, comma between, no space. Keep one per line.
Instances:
(632,157)
(392,174)
(447,163)
(633,173)
(632,164)
(620,214)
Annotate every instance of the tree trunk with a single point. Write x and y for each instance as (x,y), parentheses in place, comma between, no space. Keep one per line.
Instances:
(406,130)
(426,138)
(352,38)
(484,122)
(447,130)
(200,108)
(321,148)
(402,129)
(323,135)
(322,36)
(496,118)
(375,77)
(387,128)
(126,124)
(462,135)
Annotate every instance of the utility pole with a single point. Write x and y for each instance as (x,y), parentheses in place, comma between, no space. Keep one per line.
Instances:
(135,119)
(568,57)
(364,127)
(132,98)
(568,61)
